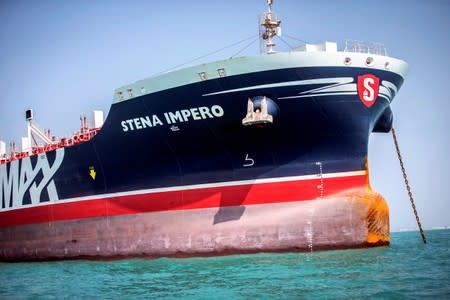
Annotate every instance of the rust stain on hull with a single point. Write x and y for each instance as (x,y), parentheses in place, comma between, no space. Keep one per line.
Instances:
(377,220)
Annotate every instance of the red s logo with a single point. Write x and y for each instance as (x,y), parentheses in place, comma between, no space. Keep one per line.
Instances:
(368,86)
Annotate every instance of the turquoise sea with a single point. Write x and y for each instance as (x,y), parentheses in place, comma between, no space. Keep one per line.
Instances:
(407,269)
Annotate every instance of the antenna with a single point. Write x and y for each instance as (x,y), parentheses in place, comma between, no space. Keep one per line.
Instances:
(270,2)
(269,27)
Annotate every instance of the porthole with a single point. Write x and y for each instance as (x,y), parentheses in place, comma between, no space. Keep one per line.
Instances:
(387,65)
(130,93)
(347,61)
(370,61)
(203,76)
(221,72)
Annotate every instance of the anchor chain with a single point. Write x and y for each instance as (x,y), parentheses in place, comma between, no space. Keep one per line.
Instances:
(408,188)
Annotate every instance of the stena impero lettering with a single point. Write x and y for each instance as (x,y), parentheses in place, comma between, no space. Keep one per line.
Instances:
(179,116)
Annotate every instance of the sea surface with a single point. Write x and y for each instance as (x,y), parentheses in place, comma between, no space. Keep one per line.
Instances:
(407,269)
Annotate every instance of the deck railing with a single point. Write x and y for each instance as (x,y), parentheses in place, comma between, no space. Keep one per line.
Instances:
(365,47)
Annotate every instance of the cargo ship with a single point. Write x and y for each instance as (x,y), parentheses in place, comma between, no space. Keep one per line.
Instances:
(250,154)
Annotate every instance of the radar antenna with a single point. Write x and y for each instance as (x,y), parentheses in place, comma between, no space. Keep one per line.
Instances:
(269,27)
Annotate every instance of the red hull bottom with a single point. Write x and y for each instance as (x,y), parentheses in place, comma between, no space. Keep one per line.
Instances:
(338,222)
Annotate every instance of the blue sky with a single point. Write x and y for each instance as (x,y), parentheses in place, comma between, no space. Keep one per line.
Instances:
(64,59)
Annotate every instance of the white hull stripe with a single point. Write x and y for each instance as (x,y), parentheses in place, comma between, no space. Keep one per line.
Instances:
(319,95)
(198,186)
(338,86)
(332,81)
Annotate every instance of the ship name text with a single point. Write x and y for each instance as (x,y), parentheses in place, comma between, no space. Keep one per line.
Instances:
(173,117)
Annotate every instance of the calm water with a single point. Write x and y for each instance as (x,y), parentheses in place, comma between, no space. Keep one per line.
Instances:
(406,269)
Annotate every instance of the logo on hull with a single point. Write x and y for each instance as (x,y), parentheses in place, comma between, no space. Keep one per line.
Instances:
(24,181)
(368,87)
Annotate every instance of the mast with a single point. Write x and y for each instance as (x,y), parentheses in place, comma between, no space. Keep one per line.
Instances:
(269,27)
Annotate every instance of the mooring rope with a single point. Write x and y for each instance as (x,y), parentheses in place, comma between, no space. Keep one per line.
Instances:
(245,47)
(408,188)
(208,54)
